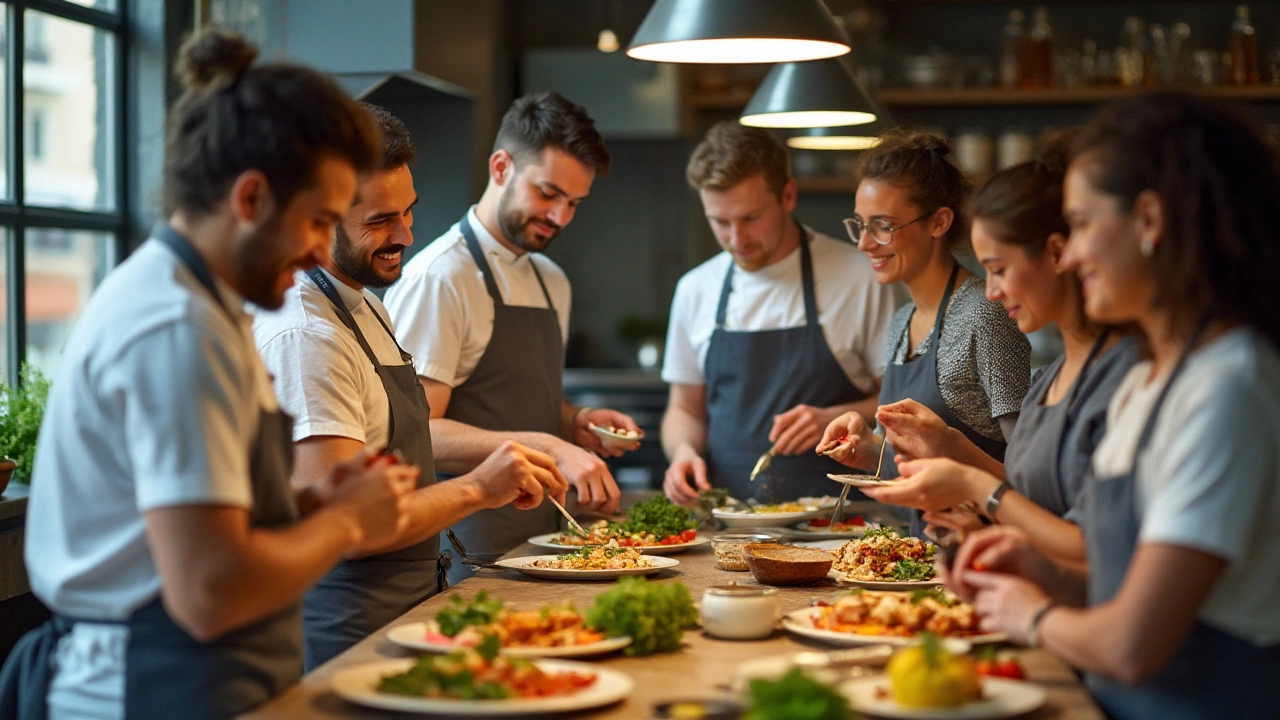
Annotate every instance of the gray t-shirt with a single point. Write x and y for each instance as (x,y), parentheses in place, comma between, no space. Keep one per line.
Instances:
(984,361)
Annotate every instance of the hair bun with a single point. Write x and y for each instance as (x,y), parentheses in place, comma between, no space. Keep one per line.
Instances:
(214,57)
(935,144)
(1054,153)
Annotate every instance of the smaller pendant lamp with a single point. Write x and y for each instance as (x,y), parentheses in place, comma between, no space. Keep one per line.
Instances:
(823,93)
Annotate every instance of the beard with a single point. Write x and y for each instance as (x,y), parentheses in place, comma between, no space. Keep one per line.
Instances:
(348,258)
(516,226)
(260,266)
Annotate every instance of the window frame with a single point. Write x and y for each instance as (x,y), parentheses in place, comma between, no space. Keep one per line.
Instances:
(16,215)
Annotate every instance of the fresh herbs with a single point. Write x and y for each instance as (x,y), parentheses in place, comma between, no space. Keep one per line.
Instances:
(795,696)
(655,615)
(936,594)
(587,550)
(908,569)
(884,532)
(451,676)
(21,410)
(460,613)
(659,516)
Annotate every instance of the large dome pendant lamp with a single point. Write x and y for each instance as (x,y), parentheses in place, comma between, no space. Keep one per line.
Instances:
(738,31)
(822,93)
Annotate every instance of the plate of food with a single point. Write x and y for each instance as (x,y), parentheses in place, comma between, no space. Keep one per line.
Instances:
(861,479)
(884,560)
(867,617)
(997,698)
(550,632)
(772,515)
(480,681)
(595,562)
(845,528)
(655,527)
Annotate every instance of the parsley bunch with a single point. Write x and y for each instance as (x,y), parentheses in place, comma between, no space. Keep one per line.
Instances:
(659,516)
(795,696)
(655,615)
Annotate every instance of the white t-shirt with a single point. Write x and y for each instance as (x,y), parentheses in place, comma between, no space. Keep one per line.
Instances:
(155,404)
(442,311)
(322,376)
(1210,476)
(853,309)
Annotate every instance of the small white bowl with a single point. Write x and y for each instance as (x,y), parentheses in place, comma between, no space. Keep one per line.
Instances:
(613,439)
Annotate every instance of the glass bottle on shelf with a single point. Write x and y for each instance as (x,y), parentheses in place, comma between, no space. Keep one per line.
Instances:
(1013,49)
(1131,58)
(1089,63)
(1040,50)
(1243,49)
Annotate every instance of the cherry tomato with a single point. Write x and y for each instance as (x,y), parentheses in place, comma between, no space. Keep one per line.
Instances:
(1010,668)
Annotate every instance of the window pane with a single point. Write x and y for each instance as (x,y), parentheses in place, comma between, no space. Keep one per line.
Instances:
(5,234)
(67,80)
(99,4)
(5,192)
(62,269)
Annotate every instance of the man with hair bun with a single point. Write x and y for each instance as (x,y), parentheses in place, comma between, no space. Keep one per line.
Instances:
(486,316)
(340,373)
(771,339)
(162,530)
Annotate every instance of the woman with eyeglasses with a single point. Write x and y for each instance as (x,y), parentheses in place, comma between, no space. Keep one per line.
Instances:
(1171,201)
(949,348)
(1020,237)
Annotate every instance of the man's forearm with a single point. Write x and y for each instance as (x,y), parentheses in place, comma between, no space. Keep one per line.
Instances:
(436,507)
(679,427)
(458,447)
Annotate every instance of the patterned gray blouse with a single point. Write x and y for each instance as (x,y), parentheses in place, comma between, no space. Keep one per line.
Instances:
(984,361)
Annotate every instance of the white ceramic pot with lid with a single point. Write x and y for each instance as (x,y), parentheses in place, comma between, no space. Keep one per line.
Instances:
(740,612)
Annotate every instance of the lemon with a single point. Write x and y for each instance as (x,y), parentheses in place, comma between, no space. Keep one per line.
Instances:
(927,676)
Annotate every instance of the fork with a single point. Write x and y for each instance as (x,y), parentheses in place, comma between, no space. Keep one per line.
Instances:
(844,494)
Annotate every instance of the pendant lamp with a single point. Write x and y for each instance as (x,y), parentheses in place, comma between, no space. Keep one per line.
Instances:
(738,31)
(852,137)
(822,93)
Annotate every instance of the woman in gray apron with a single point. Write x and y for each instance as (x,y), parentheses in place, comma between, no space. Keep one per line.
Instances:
(972,366)
(516,387)
(359,596)
(1019,236)
(1172,202)
(754,375)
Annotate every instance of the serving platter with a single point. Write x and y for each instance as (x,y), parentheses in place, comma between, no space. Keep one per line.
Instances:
(1001,699)
(799,622)
(525,565)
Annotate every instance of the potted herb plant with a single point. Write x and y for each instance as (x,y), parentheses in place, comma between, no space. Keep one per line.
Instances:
(21,410)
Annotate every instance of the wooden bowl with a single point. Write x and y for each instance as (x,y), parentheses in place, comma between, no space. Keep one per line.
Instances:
(774,564)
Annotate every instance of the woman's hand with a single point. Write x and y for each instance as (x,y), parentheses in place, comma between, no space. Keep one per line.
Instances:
(1006,604)
(960,519)
(914,431)
(1003,549)
(932,485)
(849,441)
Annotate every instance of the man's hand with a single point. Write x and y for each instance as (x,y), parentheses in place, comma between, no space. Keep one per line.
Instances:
(799,429)
(685,464)
(849,441)
(516,474)
(587,474)
(372,493)
(604,418)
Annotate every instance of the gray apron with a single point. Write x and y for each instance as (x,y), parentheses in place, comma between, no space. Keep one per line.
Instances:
(917,379)
(1214,674)
(753,376)
(518,386)
(360,596)
(167,672)
(1033,464)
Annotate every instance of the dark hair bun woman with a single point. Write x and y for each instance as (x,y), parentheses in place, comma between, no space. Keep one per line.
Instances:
(214,58)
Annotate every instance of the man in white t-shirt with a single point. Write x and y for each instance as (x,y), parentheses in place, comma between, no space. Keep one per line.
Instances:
(486,315)
(340,373)
(769,340)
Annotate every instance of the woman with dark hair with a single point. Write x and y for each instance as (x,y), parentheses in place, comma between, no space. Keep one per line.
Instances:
(1171,201)
(949,348)
(1020,236)
(162,531)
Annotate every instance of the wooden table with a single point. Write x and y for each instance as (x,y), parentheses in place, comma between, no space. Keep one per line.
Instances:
(700,670)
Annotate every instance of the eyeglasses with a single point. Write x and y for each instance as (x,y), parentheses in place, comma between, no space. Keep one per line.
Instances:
(880,230)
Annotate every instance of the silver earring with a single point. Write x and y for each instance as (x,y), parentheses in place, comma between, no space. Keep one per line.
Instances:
(1147,247)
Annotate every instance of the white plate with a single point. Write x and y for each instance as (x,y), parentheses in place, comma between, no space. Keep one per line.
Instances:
(414,637)
(613,439)
(829,545)
(862,480)
(738,518)
(798,622)
(803,530)
(1001,699)
(359,685)
(545,541)
(523,564)
(844,579)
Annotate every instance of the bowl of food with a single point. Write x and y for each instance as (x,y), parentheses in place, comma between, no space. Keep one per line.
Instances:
(777,564)
(728,548)
(616,437)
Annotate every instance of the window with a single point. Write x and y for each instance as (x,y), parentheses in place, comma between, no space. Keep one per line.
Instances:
(62,219)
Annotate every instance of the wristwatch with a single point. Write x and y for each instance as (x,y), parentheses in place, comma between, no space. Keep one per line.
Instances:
(993,502)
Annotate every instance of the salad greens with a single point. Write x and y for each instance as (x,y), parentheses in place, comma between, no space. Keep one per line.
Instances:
(885,532)
(460,613)
(938,594)
(795,696)
(657,515)
(586,550)
(908,569)
(448,676)
(655,615)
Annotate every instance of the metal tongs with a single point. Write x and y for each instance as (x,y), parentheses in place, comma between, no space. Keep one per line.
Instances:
(476,561)
(844,494)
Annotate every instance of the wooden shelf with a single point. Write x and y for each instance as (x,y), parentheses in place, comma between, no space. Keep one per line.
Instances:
(834,184)
(956,97)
